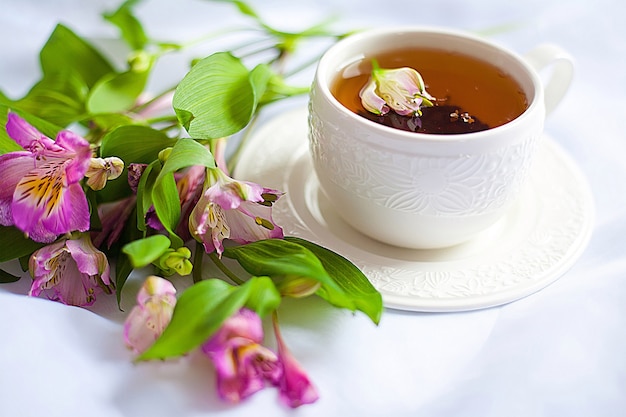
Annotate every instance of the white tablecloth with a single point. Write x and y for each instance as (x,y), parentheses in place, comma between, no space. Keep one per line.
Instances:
(559,352)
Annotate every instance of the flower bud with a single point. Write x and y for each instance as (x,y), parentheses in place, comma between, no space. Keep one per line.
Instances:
(176,262)
(164,154)
(103,169)
(297,287)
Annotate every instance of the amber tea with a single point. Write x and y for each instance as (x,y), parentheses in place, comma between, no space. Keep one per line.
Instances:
(472,95)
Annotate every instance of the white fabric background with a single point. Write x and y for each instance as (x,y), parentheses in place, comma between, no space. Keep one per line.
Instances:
(560,352)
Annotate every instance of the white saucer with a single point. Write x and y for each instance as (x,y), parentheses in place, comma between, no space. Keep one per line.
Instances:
(532,246)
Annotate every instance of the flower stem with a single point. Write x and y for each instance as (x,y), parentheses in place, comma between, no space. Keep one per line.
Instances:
(275,324)
(214,35)
(232,162)
(197,263)
(139,107)
(230,274)
(160,119)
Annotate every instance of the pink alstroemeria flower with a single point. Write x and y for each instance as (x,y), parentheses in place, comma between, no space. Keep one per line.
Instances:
(236,210)
(147,320)
(71,271)
(242,364)
(295,386)
(40,191)
(401,90)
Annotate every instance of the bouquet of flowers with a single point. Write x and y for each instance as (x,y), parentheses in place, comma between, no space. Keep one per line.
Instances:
(134,181)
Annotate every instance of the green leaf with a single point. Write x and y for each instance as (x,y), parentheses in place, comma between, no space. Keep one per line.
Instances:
(142,252)
(285,38)
(94,217)
(6,278)
(244,8)
(117,92)
(144,192)
(264,297)
(199,312)
(260,78)
(24,261)
(6,143)
(123,265)
(58,98)
(279,258)
(13,244)
(131,29)
(65,50)
(350,278)
(276,257)
(167,205)
(185,153)
(203,307)
(108,122)
(135,144)
(9,145)
(123,268)
(218,97)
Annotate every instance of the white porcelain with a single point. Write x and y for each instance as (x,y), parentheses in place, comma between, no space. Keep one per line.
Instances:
(418,190)
(537,239)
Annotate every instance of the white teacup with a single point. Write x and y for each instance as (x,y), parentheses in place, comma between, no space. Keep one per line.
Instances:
(420,190)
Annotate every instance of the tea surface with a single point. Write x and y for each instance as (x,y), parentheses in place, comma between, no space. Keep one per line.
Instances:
(473,94)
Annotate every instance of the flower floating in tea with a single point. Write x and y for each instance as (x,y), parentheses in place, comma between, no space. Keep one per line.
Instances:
(401,90)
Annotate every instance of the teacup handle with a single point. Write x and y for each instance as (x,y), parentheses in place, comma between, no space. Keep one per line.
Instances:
(550,55)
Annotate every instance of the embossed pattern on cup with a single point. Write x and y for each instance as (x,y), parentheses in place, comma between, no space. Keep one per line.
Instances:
(462,185)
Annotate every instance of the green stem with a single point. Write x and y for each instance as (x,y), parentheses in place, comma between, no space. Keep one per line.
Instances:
(302,66)
(169,118)
(239,50)
(232,162)
(213,35)
(148,103)
(197,263)
(230,274)
(169,127)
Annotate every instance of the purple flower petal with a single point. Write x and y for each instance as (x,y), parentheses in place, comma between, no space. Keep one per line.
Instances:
(245,323)
(40,193)
(252,222)
(14,166)
(401,90)
(149,318)
(371,101)
(113,217)
(242,364)
(89,260)
(242,368)
(56,272)
(236,210)
(295,387)
(23,133)
(135,171)
(40,266)
(79,155)
(44,202)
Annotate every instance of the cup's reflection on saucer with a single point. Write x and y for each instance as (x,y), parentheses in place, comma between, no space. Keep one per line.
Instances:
(427,190)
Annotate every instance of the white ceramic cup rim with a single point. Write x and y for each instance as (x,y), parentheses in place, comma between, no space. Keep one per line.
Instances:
(326,66)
